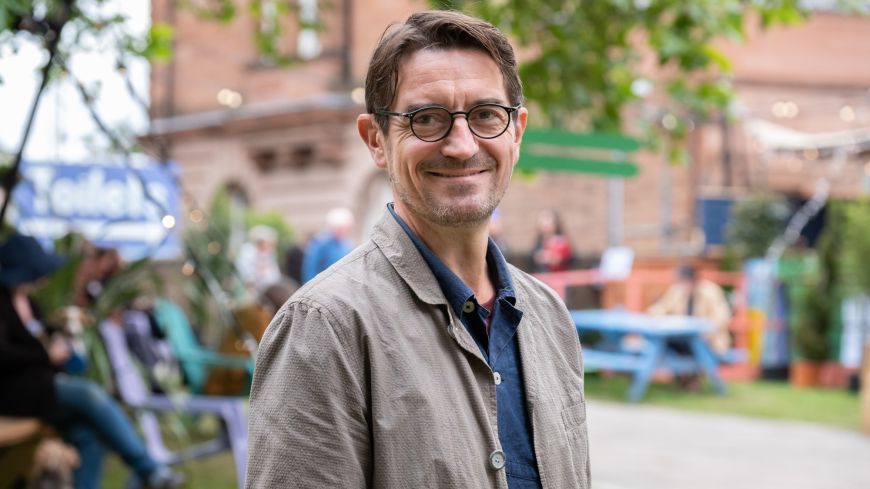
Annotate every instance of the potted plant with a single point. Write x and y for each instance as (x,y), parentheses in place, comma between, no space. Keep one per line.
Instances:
(810,336)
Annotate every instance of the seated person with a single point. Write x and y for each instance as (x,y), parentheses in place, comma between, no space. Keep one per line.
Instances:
(690,296)
(32,383)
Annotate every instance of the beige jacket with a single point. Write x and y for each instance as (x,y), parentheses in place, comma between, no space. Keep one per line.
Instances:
(367,379)
(709,303)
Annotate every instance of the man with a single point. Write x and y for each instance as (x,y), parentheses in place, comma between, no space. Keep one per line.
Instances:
(423,360)
(691,296)
(329,246)
(257,262)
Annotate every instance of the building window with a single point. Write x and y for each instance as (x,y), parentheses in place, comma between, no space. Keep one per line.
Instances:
(307,43)
(273,18)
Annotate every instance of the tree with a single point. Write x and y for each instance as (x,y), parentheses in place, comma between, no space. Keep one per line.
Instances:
(65,28)
(584,65)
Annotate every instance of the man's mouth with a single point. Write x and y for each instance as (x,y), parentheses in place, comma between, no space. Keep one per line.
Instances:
(457,173)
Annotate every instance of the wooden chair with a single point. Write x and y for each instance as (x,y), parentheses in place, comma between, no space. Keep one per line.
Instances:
(19,438)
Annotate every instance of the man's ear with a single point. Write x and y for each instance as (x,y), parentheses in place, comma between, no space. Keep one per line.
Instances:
(520,124)
(519,129)
(371,134)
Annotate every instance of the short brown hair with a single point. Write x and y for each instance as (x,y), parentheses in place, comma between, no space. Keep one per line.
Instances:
(435,29)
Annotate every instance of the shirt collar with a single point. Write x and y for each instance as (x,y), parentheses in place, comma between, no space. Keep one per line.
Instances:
(455,290)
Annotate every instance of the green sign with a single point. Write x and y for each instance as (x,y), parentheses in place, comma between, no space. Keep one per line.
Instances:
(595,153)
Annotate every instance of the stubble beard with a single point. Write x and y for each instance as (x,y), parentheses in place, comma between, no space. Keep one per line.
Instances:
(447,214)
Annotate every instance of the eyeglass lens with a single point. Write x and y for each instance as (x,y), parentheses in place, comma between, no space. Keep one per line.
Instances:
(485,121)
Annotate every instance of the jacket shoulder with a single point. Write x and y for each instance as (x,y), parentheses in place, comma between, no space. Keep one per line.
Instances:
(353,283)
(534,291)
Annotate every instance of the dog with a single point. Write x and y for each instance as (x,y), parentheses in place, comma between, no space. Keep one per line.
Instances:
(53,465)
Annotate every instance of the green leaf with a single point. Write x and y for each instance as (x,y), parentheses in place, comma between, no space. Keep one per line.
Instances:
(718,57)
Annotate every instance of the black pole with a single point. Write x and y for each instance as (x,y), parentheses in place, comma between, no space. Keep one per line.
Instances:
(726,152)
(347,35)
(52,28)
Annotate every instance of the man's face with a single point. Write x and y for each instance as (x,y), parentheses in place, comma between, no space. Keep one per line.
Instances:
(459,180)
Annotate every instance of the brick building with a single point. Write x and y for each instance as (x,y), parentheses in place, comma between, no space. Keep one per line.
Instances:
(285,137)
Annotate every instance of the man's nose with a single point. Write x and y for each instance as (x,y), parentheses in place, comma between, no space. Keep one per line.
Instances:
(460,143)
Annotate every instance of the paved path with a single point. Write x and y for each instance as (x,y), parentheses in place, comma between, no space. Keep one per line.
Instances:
(643,447)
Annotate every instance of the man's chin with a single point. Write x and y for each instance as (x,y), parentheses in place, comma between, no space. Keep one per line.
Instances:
(461,216)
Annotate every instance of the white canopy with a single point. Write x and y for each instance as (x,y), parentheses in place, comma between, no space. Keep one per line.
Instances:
(774,137)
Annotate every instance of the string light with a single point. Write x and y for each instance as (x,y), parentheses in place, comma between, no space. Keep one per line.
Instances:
(187,269)
(168,221)
(811,154)
(785,110)
(358,95)
(847,113)
(229,98)
(214,247)
(196,215)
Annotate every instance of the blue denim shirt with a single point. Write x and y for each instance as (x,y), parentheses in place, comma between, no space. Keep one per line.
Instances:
(499,348)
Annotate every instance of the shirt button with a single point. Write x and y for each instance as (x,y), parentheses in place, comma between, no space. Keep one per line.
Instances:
(468,307)
(497,377)
(496,459)
(451,330)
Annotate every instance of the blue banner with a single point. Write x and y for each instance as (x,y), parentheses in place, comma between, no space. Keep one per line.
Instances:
(133,208)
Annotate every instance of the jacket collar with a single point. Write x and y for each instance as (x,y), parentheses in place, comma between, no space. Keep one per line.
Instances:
(400,251)
(455,290)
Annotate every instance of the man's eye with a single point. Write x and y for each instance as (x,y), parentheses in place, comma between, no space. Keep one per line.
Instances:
(431,117)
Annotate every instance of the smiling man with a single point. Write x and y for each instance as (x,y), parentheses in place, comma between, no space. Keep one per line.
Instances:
(422,359)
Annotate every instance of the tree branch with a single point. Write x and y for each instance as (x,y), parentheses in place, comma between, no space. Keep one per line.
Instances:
(52,38)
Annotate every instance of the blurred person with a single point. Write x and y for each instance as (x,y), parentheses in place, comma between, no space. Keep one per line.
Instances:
(294,256)
(552,251)
(33,384)
(97,266)
(423,359)
(691,296)
(329,246)
(257,261)
(276,295)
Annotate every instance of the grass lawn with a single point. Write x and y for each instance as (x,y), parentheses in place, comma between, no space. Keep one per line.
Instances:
(217,472)
(775,400)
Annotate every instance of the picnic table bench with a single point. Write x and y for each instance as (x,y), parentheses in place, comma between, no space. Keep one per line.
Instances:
(652,354)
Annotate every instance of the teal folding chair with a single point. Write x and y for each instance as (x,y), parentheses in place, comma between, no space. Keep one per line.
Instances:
(195,360)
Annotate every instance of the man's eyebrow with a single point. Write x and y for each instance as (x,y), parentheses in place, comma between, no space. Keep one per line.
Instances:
(498,101)
(413,107)
(489,100)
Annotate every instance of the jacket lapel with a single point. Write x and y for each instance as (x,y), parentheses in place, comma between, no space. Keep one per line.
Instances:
(410,265)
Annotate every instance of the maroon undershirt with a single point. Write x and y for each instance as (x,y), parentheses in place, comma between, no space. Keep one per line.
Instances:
(489,307)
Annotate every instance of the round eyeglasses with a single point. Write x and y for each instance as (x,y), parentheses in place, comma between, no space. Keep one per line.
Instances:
(433,123)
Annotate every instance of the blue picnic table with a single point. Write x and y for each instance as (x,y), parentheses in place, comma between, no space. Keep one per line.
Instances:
(611,353)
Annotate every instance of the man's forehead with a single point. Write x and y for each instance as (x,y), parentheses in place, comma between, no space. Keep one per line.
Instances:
(428,67)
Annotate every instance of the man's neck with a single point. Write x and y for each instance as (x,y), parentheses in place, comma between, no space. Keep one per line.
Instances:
(462,249)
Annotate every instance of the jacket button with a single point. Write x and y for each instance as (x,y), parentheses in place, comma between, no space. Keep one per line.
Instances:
(468,307)
(497,378)
(497,460)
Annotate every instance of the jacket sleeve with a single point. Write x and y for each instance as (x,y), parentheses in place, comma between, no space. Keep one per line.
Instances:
(308,424)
